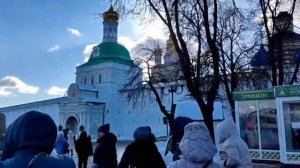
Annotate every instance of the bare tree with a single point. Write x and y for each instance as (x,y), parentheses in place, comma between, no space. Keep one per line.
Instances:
(188,21)
(236,48)
(145,76)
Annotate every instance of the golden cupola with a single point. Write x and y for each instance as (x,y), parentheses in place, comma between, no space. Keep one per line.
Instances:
(111,15)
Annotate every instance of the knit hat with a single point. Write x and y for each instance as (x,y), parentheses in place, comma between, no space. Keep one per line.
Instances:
(143,133)
(104,128)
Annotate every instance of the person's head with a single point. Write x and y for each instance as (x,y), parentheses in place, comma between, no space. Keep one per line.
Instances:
(70,132)
(103,129)
(60,128)
(196,143)
(60,137)
(33,131)
(178,127)
(226,128)
(83,134)
(143,133)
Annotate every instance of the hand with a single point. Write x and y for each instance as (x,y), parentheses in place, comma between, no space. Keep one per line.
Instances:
(223,155)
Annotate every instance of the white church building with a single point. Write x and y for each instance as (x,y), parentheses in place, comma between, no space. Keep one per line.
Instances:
(95,99)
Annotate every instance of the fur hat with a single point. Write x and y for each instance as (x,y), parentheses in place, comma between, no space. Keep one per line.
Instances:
(104,128)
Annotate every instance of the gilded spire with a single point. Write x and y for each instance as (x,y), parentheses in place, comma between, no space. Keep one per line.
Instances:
(110,15)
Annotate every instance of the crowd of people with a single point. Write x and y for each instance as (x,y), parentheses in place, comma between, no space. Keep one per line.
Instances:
(30,140)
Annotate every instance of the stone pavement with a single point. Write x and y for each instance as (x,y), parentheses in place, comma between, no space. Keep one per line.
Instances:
(260,165)
(122,144)
(255,165)
(120,149)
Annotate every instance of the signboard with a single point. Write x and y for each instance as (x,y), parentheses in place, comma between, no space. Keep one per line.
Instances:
(253,95)
(287,91)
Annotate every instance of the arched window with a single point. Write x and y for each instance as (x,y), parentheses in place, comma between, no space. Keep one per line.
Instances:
(99,78)
(110,31)
(92,80)
(84,81)
(81,79)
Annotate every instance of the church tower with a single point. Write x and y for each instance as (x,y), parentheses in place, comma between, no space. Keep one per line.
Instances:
(170,56)
(110,26)
(108,58)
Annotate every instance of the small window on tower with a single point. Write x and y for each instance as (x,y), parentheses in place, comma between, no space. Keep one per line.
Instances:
(84,81)
(92,80)
(110,31)
(99,78)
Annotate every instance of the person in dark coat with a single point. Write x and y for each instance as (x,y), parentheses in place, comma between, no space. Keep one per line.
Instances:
(105,154)
(61,144)
(142,153)
(83,148)
(178,131)
(31,135)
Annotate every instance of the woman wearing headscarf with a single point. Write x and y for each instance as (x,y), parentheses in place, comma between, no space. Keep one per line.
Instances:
(29,140)
(83,148)
(234,151)
(142,153)
(71,142)
(197,148)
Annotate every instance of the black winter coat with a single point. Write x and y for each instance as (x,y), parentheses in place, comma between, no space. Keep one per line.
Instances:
(142,154)
(84,147)
(105,154)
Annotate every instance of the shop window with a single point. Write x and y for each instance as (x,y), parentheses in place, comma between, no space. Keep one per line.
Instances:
(292,125)
(248,123)
(268,125)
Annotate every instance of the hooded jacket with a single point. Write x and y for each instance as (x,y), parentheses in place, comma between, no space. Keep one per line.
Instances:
(235,148)
(142,153)
(105,154)
(197,148)
(30,134)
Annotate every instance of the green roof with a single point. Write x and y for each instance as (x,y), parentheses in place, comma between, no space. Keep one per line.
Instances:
(109,52)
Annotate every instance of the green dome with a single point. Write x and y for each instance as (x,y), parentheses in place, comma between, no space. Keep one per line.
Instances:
(109,52)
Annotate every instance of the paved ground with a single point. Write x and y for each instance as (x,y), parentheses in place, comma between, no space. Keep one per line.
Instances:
(121,147)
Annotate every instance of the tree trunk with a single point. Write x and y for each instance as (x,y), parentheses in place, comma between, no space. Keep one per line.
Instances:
(209,122)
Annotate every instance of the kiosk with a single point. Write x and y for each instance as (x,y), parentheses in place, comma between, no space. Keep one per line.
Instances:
(269,122)
(288,105)
(256,118)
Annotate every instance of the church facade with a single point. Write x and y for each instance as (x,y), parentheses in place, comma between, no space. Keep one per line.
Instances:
(94,98)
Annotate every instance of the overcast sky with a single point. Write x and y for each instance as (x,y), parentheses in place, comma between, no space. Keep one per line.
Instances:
(42,41)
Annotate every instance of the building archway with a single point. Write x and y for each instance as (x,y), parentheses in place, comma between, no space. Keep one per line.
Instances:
(2,124)
(72,124)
